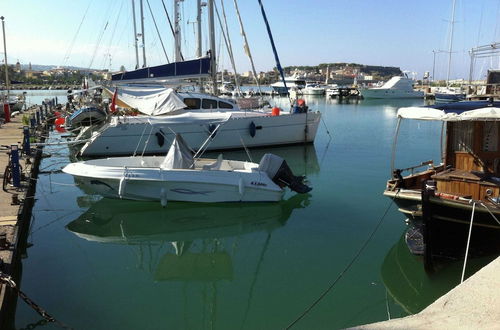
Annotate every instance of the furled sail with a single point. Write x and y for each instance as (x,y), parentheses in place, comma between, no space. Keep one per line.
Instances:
(196,68)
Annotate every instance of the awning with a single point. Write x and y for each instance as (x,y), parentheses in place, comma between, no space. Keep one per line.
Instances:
(459,111)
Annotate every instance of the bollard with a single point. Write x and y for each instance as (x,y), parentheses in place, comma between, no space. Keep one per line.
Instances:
(32,121)
(56,101)
(42,115)
(6,110)
(37,116)
(26,141)
(14,166)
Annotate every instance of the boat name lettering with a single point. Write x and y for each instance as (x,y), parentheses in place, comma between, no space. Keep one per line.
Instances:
(255,183)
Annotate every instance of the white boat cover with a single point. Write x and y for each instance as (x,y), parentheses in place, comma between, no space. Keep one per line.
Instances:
(151,101)
(179,155)
(187,118)
(481,114)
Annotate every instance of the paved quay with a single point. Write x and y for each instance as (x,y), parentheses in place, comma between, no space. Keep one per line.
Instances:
(473,304)
(15,213)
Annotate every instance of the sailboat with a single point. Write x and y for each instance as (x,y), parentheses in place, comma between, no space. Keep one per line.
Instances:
(449,94)
(167,111)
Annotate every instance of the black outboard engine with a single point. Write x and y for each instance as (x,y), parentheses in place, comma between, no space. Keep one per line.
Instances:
(278,170)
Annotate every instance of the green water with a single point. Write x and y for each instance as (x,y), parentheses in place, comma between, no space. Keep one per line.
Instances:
(113,264)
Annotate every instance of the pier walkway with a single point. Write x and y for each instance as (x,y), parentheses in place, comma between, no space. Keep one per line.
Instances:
(15,212)
(474,304)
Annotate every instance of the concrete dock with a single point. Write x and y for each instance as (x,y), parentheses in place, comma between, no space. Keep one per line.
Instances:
(15,213)
(473,304)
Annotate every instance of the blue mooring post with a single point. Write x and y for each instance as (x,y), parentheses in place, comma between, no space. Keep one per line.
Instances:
(14,163)
(26,141)
(32,121)
(42,115)
(37,116)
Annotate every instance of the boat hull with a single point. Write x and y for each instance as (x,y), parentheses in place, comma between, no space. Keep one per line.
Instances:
(235,133)
(448,97)
(390,94)
(156,184)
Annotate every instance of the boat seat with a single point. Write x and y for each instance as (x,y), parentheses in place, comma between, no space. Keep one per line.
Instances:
(215,165)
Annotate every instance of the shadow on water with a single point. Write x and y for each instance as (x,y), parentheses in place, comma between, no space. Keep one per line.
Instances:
(411,287)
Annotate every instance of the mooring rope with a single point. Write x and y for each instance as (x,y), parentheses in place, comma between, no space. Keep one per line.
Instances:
(468,239)
(356,256)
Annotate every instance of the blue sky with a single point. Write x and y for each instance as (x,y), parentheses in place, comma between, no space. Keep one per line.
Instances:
(398,33)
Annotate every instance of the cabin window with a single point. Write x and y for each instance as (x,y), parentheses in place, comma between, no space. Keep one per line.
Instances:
(463,136)
(225,105)
(192,103)
(209,104)
(490,136)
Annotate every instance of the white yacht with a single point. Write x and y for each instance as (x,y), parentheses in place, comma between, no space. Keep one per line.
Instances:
(197,116)
(398,87)
(313,89)
(293,82)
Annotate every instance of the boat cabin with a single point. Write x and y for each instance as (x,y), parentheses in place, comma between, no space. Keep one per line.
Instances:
(471,160)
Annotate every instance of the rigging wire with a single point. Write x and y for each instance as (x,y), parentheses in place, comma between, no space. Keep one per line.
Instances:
(170,23)
(346,268)
(229,48)
(108,52)
(72,44)
(246,47)
(158,31)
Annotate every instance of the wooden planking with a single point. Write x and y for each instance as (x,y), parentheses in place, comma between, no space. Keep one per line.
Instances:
(459,188)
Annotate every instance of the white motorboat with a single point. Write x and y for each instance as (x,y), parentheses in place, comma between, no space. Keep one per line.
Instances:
(332,90)
(313,89)
(398,87)
(181,177)
(293,82)
(196,116)
(448,94)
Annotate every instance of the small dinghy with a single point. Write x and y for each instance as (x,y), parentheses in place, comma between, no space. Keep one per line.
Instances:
(86,117)
(180,177)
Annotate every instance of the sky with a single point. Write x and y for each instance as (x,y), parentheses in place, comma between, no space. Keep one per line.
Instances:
(99,34)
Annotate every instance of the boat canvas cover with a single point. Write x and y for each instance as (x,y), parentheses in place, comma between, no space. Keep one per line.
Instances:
(459,111)
(151,101)
(179,155)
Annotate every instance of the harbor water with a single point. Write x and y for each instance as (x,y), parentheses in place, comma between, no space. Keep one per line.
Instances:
(115,264)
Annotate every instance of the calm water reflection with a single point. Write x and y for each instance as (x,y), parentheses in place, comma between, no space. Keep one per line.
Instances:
(116,264)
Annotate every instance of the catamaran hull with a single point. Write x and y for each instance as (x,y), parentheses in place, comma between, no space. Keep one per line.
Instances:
(237,132)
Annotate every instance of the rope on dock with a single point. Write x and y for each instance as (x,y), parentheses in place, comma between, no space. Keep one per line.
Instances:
(353,260)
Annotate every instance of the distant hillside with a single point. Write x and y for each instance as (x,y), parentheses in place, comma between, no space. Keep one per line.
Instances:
(43,67)
(375,70)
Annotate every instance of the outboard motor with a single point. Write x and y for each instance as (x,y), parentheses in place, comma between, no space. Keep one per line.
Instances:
(278,170)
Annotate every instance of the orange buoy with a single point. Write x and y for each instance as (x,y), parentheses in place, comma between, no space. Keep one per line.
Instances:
(301,102)
(275,111)
(59,121)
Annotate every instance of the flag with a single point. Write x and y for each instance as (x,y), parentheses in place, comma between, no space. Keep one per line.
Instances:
(112,106)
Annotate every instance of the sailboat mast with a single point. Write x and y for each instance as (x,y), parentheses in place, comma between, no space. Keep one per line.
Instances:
(198,22)
(213,64)
(177,31)
(7,83)
(135,37)
(143,42)
(452,22)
